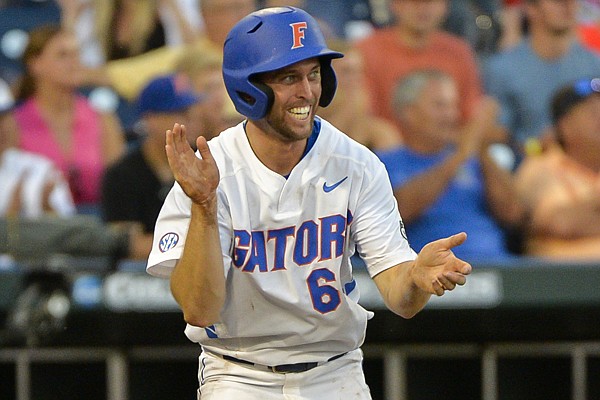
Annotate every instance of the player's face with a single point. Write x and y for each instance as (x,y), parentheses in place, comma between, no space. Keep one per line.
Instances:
(296,90)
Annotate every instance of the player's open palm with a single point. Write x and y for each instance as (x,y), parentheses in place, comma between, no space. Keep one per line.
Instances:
(437,269)
(198,177)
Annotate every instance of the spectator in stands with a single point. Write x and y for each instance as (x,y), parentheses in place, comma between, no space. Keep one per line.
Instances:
(477,22)
(31,184)
(512,19)
(215,112)
(37,213)
(134,189)
(128,76)
(514,23)
(350,110)
(110,30)
(523,78)
(561,186)
(417,41)
(53,120)
(443,176)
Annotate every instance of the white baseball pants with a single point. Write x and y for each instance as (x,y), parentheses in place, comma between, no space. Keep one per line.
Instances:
(340,379)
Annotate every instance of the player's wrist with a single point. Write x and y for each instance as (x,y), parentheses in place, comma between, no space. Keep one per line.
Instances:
(205,210)
(416,276)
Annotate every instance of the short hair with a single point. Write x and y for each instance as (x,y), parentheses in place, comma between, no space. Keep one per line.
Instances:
(409,88)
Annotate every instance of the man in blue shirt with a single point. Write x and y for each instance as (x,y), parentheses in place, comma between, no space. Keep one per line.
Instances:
(443,177)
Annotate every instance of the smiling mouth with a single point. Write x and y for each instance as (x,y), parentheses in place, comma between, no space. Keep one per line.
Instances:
(300,113)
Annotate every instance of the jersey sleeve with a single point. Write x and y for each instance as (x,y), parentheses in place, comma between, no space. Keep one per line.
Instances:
(171,229)
(169,233)
(377,227)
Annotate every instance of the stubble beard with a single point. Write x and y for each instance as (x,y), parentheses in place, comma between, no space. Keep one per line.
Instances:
(277,126)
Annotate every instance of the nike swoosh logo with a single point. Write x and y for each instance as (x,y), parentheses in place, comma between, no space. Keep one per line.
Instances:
(329,188)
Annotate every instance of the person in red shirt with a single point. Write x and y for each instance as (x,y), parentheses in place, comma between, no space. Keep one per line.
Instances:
(417,41)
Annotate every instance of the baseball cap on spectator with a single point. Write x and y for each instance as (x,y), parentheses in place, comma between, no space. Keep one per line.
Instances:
(167,94)
(7,100)
(571,95)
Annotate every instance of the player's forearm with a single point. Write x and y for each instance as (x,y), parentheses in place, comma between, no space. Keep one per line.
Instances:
(400,291)
(198,281)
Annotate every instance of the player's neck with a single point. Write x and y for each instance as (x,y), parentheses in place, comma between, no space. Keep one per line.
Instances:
(277,155)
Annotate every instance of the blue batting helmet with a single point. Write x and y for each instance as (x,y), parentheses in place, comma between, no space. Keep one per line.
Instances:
(268,40)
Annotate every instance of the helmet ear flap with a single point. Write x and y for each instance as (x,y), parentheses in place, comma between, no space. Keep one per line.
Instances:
(252,100)
(268,92)
(328,82)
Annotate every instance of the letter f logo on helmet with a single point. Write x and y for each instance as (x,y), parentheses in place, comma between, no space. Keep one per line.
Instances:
(298,29)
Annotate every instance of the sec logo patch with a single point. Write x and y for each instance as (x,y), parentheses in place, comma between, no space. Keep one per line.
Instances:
(168,241)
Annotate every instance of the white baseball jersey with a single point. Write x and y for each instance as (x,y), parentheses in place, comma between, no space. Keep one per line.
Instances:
(287,244)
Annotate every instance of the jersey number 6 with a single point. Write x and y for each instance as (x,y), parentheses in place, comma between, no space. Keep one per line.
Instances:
(325,298)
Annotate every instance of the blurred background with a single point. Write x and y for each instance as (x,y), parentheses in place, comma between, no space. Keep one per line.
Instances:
(80,318)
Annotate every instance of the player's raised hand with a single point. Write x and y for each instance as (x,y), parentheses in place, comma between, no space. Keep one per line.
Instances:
(198,177)
(437,269)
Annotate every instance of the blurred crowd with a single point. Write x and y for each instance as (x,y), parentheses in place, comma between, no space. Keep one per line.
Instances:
(486,115)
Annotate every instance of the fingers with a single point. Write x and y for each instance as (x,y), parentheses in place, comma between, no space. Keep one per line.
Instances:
(169,140)
(179,138)
(465,269)
(438,288)
(176,137)
(203,148)
(453,241)
(448,281)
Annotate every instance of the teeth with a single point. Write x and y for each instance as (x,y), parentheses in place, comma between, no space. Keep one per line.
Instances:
(300,112)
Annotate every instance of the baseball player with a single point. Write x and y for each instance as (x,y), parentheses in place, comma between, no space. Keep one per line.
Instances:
(257,233)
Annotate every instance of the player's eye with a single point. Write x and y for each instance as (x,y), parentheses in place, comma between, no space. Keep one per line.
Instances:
(287,79)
